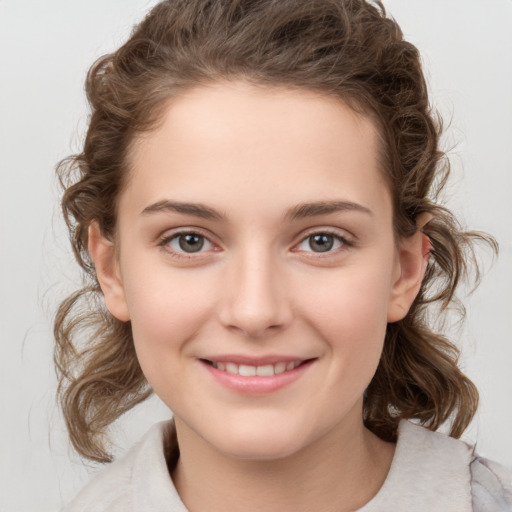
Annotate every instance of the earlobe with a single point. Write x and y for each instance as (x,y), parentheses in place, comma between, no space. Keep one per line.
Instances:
(103,254)
(413,259)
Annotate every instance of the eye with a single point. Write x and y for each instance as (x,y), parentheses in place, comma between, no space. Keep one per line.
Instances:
(187,242)
(322,242)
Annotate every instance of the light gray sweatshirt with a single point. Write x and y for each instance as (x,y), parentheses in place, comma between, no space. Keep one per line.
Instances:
(430,472)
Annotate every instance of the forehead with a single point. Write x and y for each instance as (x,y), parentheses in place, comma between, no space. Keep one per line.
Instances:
(236,137)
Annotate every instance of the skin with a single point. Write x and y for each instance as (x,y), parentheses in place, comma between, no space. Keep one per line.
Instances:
(259,287)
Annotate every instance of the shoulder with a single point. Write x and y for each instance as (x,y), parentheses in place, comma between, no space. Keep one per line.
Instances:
(123,486)
(491,486)
(103,491)
(432,471)
(490,483)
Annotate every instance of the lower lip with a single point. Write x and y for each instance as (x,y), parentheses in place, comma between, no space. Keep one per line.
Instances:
(257,385)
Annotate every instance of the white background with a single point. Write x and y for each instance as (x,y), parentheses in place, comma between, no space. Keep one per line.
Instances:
(45,50)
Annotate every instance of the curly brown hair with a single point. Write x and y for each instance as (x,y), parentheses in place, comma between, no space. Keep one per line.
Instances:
(348,49)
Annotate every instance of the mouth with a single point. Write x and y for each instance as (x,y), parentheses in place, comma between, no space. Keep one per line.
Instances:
(266,370)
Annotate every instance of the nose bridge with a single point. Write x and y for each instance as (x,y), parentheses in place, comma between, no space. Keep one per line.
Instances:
(255,298)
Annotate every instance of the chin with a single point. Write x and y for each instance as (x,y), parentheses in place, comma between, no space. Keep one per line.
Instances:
(261,450)
(264,443)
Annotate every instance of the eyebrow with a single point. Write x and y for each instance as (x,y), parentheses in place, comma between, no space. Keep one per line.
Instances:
(195,209)
(305,210)
(300,211)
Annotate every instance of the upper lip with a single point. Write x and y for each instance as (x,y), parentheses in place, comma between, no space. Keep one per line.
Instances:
(253,360)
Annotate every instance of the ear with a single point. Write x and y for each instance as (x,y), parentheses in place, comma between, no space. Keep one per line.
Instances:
(413,257)
(103,254)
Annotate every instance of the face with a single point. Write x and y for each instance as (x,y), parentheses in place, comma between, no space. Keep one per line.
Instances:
(257,264)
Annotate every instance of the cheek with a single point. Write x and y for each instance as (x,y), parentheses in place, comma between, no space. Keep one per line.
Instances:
(166,311)
(350,313)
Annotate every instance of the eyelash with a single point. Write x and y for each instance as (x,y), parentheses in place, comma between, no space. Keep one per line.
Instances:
(165,241)
(344,243)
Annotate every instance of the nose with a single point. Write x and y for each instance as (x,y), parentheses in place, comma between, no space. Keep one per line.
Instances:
(255,301)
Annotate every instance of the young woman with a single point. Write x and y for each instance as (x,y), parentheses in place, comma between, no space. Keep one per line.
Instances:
(255,210)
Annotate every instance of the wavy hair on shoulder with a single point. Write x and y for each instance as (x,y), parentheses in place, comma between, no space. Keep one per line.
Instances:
(347,49)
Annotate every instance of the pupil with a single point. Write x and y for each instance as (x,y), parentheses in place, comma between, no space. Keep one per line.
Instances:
(191,242)
(321,243)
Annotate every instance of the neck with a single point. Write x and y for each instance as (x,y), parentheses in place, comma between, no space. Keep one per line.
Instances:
(339,472)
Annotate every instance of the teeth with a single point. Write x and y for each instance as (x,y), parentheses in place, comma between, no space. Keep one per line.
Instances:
(231,367)
(246,370)
(279,368)
(265,371)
